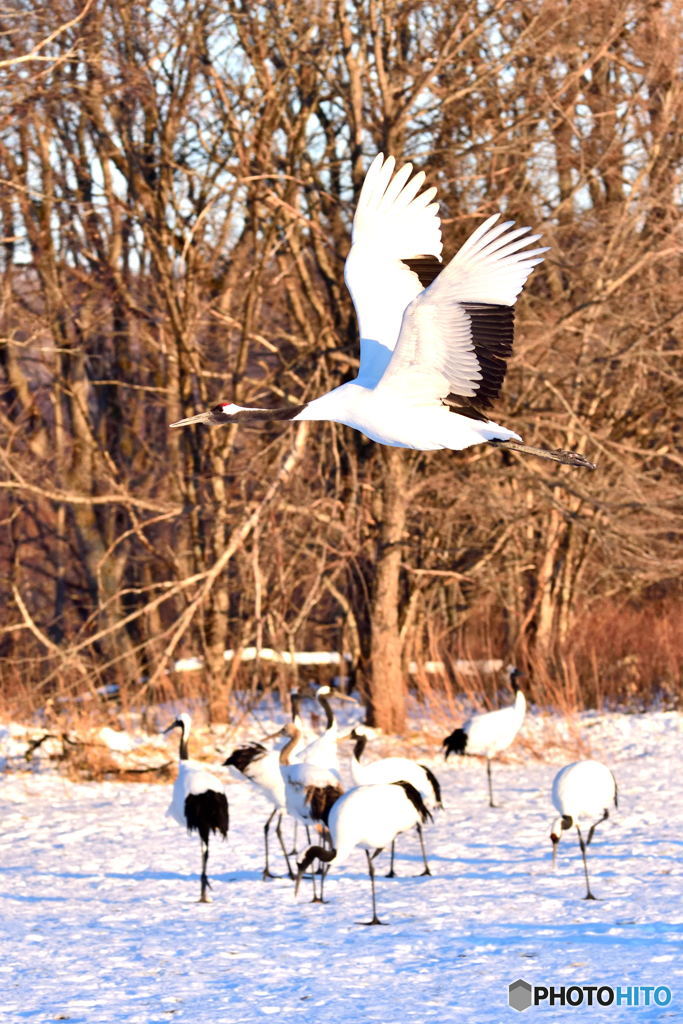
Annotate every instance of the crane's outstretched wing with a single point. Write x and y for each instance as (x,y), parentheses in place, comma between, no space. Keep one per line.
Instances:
(396,251)
(456,335)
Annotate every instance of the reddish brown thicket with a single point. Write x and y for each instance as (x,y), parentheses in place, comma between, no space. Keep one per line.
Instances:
(178,186)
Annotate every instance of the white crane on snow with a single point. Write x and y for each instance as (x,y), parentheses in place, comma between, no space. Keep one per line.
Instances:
(395,769)
(370,817)
(485,735)
(199,801)
(582,790)
(310,790)
(434,339)
(261,768)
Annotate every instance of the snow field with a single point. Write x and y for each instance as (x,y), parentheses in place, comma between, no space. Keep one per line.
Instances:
(98,919)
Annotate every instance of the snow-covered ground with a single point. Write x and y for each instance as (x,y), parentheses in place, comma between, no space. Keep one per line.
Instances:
(98,919)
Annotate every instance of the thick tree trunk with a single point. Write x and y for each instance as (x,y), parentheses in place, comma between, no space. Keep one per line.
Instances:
(387,687)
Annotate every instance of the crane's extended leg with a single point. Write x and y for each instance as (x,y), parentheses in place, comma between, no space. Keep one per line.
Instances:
(594,826)
(391,873)
(488,774)
(424,852)
(589,895)
(267,873)
(292,852)
(323,875)
(322,869)
(555,454)
(371,872)
(204,878)
(278,832)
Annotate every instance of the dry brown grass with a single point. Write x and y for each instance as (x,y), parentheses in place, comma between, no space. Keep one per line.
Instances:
(628,655)
(623,655)
(620,656)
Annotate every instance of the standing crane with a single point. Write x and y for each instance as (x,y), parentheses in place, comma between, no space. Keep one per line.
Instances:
(582,790)
(370,817)
(395,769)
(310,790)
(434,339)
(261,768)
(489,733)
(199,801)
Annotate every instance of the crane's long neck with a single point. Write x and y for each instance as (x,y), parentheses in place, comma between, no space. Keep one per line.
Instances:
(296,714)
(288,749)
(183,755)
(357,770)
(520,704)
(311,854)
(331,724)
(316,853)
(228,412)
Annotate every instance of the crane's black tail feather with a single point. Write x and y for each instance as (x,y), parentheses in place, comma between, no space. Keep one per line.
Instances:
(434,782)
(456,743)
(415,798)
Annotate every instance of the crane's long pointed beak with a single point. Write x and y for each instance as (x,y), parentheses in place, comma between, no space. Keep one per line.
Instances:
(202,417)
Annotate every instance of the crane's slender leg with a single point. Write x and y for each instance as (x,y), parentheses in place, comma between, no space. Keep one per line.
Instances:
(309,857)
(314,871)
(391,873)
(554,454)
(325,843)
(278,832)
(323,873)
(292,852)
(488,773)
(204,878)
(267,873)
(322,870)
(589,895)
(424,852)
(594,826)
(314,898)
(371,872)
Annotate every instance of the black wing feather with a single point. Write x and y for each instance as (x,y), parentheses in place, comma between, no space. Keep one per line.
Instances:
(427,268)
(242,757)
(493,328)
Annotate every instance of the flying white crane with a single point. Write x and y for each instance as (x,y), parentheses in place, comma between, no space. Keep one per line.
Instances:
(582,790)
(199,801)
(370,817)
(434,339)
(485,735)
(395,769)
(310,790)
(261,768)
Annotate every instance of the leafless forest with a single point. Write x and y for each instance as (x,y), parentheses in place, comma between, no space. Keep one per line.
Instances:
(178,184)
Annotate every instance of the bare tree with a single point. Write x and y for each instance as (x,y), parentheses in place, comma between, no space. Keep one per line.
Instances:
(178,189)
